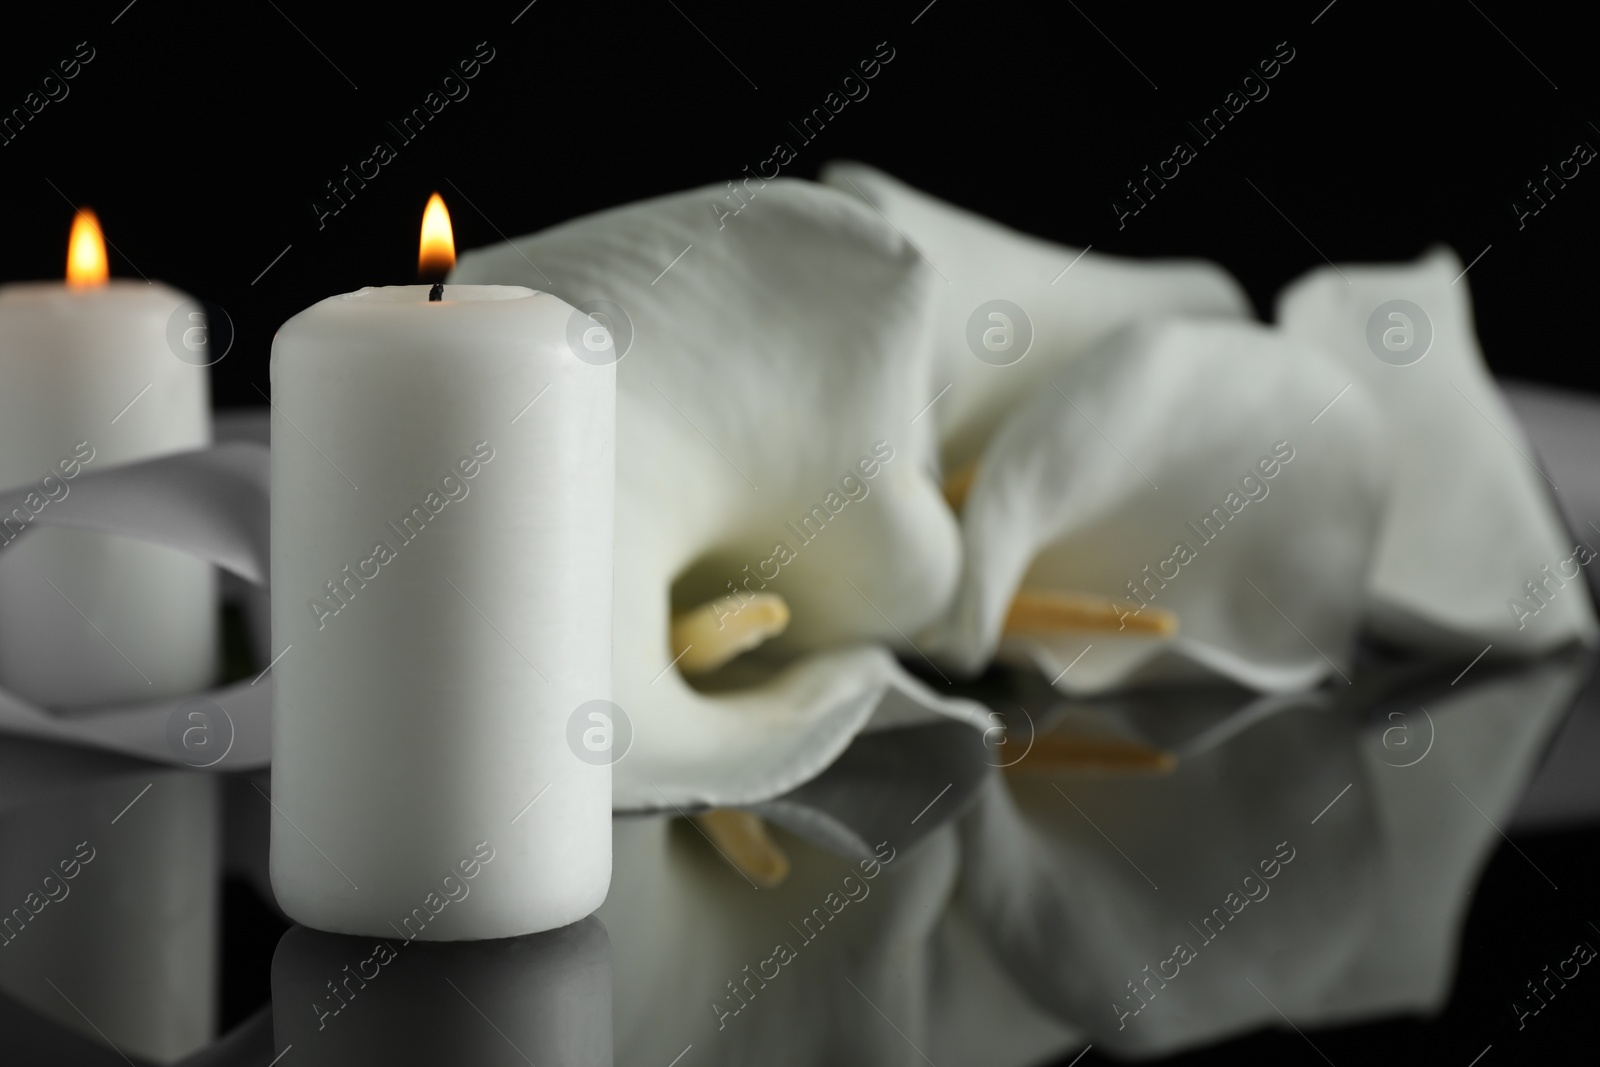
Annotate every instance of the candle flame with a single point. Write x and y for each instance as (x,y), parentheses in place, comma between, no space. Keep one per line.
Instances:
(437,253)
(86,252)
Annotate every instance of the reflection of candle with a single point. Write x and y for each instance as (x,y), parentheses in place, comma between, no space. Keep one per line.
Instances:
(441,573)
(118,886)
(87,376)
(340,1000)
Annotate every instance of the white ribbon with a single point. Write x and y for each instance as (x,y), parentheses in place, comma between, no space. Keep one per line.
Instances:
(213,504)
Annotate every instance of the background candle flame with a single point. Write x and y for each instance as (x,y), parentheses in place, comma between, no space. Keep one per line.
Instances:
(86,252)
(437,253)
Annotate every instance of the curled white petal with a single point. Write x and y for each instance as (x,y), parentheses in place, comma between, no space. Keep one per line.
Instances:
(1178,468)
(1471,521)
(1069,299)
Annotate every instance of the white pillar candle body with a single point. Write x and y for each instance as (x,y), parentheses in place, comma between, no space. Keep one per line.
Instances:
(441,567)
(71,361)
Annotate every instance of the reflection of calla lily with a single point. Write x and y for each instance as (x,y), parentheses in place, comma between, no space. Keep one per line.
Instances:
(1361,920)
(807,973)
(1471,533)
(1071,298)
(776,367)
(1436,838)
(1176,469)
(1077,921)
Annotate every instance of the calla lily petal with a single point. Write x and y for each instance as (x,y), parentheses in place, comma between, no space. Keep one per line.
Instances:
(1179,467)
(1071,298)
(767,441)
(1471,523)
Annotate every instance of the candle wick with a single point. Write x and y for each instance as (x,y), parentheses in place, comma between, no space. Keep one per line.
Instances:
(436,294)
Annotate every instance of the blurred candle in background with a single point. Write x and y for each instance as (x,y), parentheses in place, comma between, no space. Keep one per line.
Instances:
(89,379)
(441,607)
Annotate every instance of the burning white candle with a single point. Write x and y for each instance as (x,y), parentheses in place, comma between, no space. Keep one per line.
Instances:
(441,560)
(88,380)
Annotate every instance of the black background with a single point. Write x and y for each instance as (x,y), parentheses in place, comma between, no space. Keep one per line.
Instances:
(201,133)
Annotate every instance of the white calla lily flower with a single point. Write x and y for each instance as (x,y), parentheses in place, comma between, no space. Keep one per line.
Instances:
(1068,299)
(1064,538)
(774,500)
(1182,478)
(1473,551)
